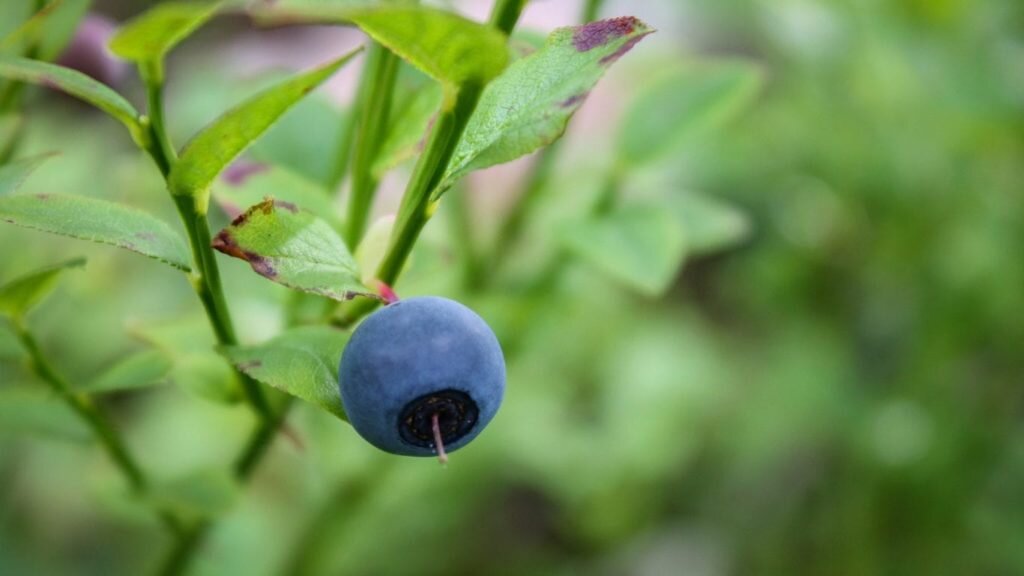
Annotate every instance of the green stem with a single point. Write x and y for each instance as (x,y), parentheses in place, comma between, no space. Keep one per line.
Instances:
(87,410)
(152,77)
(506,14)
(205,276)
(378,83)
(417,203)
(591,10)
(207,284)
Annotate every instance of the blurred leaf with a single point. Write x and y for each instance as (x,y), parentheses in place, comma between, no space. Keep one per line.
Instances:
(49,29)
(10,127)
(643,246)
(683,104)
(28,31)
(148,37)
(302,362)
(374,246)
(18,296)
(97,221)
(13,174)
(76,84)
(304,140)
(34,411)
(529,105)
(709,224)
(139,370)
(177,336)
(408,129)
(210,151)
(446,46)
(281,184)
(188,344)
(294,248)
(201,495)
(207,376)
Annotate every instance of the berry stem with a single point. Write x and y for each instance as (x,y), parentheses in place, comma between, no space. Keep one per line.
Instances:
(442,456)
(387,293)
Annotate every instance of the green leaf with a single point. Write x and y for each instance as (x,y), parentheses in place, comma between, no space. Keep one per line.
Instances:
(529,105)
(34,411)
(148,37)
(97,221)
(709,224)
(302,362)
(140,370)
(210,151)
(685,103)
(294,248)
(49,30)
(19,296)
(446,46)
(643,246)
(76,84)
(304,141)
(10,127)
(265,181)
(197,496)
(408,130)
(13,175)
(207,376)
(188,343)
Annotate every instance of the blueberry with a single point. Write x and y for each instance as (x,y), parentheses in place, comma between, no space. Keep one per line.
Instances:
(418,369)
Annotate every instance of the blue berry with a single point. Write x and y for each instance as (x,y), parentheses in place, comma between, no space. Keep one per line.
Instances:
(419,369)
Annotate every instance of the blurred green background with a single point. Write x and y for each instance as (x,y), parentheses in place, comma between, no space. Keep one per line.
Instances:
(838,391)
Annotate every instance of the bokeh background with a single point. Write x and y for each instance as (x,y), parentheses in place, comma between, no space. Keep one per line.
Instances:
(837,391)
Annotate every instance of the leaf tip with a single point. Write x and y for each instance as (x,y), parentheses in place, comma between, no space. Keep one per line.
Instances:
(595,34)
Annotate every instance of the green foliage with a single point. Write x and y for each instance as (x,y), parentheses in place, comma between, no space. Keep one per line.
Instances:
(187,345)
(292,247)
(33,411)
(197,496)
(709,225)
(76,84)
(304,140)
(302,362)
(210,151)
(47,31)
(141,370)
(447,47)
(684,103)
(408,131)
(20,295)
(97,221)
(149,37)
(529,105)
(13,174)
(205,375)
(643,246)
(282,184)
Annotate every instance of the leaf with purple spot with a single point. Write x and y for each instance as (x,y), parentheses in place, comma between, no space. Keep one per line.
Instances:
(529,105)
(294,248)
